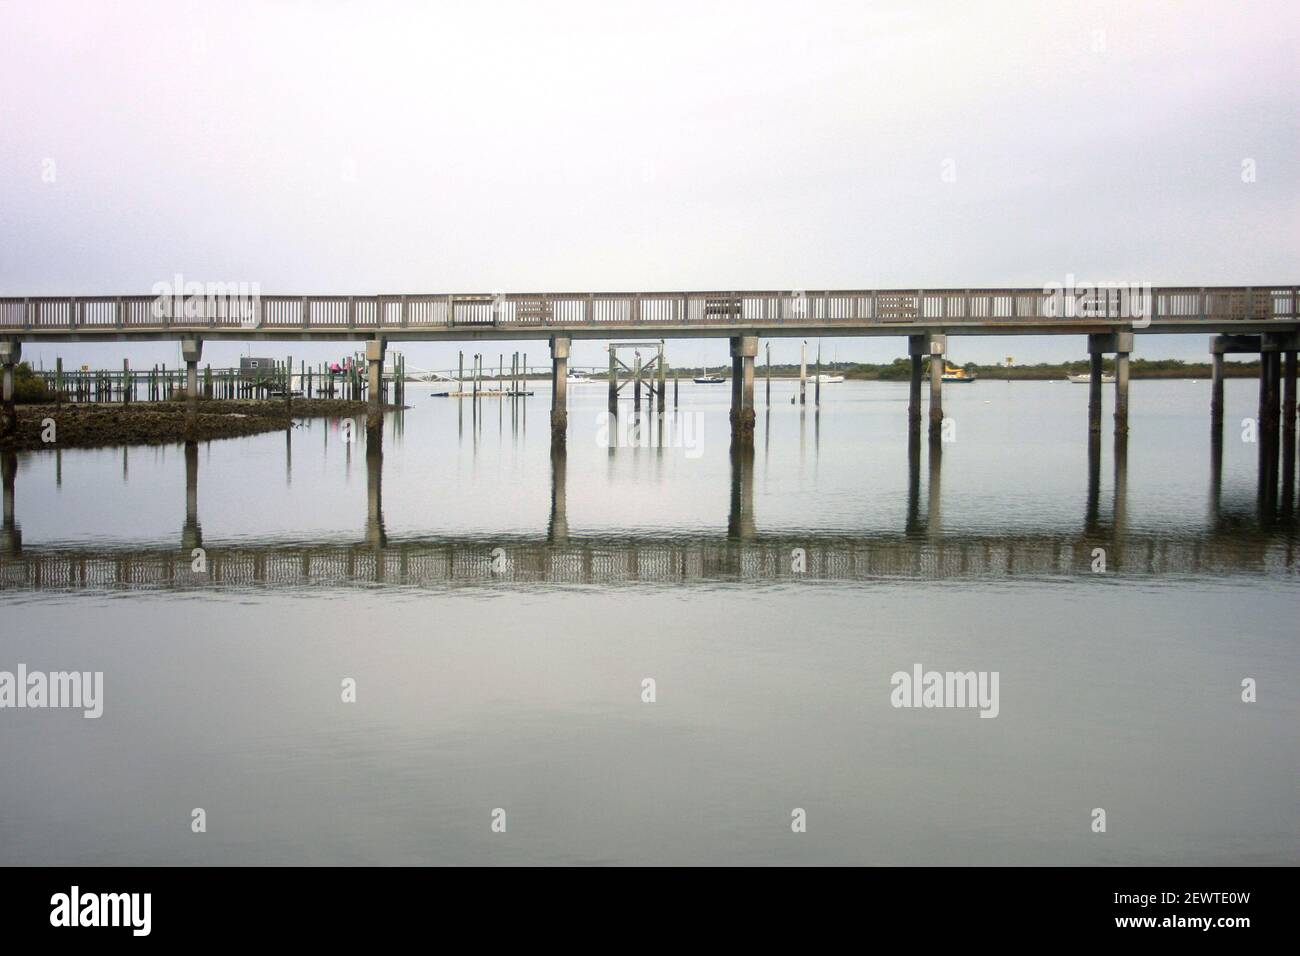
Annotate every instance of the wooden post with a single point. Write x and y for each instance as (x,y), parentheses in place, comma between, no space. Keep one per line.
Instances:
(767,367)
(613,380)
(663,372)
(817,378)
(636,385)
(803,374)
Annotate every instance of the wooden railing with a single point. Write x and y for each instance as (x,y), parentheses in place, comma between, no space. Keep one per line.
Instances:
(1134,305)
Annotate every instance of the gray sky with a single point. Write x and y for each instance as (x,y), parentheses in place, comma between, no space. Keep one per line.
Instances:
(439,147)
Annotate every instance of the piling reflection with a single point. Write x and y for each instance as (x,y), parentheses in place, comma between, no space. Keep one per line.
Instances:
(1216,468)
(913,522)
(740,517)
(934,503)
(11,537)
(191,533)
(558,526)
(1092,511)
(375,536)
(744,551)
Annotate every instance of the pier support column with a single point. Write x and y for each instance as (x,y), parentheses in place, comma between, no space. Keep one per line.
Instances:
(559,388)
(1123,346)
(1270,416)
(916,348)
(938,345)
(1094,392)
(1288,428)
(743,350)
(11,537)
(1218,345)
(191,352)
(11,350)
(375,349)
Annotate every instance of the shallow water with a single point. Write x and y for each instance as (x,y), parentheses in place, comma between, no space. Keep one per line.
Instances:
(499,608)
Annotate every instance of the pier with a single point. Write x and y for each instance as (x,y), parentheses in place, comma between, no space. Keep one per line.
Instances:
(1264,320)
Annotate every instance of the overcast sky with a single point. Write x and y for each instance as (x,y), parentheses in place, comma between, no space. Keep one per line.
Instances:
(480,146)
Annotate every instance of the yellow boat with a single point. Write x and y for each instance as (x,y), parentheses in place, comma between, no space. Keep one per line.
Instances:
(951,374)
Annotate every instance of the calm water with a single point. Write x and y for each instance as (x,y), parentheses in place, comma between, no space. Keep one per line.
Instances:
(513,679)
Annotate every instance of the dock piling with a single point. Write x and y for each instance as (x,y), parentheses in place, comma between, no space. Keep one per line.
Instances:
(11,350)
(375,349)
(191,352)
(559,388)
(744,348)
(938,346)
(916,346)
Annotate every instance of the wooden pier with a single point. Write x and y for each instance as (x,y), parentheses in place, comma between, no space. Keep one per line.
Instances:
(1264,319)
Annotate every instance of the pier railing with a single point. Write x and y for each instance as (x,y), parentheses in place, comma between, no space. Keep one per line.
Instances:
(457,562)
(1138,305)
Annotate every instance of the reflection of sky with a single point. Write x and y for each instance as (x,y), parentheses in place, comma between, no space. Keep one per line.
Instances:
(323,150)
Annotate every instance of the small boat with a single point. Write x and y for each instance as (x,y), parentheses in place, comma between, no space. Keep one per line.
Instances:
(577,378)
(825,379)
(1106,378)
(951,374)
(707,379)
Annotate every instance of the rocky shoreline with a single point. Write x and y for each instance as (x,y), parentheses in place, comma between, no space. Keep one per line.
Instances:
(161,423)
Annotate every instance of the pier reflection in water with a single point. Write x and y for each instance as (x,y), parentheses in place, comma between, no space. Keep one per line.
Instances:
(1227,544)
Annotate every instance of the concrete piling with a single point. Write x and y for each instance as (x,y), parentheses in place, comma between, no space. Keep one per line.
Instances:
(1121,392)
(191,352)
(938,346)
(11,351)
(916,347)
(559,388)
(744,348)
(375,349)
(1095,369)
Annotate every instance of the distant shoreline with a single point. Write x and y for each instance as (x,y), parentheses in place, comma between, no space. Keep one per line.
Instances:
(900,371)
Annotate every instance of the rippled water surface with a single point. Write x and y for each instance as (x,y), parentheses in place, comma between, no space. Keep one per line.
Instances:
(499,608)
